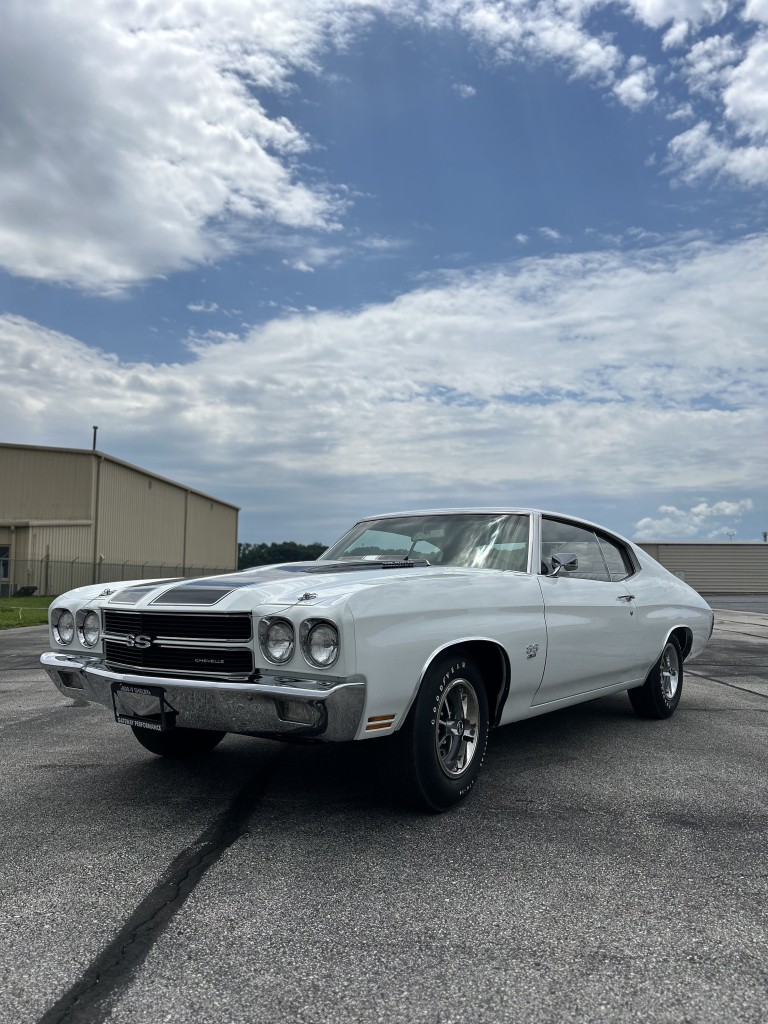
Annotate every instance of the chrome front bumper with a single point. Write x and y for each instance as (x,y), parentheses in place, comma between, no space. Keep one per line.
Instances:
(273,706)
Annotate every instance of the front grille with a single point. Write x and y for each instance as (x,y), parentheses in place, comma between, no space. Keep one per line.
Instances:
(198,661)
(200,645)
(165,626)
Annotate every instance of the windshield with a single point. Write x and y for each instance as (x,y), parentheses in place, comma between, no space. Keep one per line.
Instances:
(473,540)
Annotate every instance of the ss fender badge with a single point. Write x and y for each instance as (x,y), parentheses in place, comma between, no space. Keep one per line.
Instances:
(531,650)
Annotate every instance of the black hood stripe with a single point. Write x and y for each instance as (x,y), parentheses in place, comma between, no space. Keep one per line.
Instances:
(210,591)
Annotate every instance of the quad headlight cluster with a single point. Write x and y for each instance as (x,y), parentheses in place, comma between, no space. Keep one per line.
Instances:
(85,624)
(318,640)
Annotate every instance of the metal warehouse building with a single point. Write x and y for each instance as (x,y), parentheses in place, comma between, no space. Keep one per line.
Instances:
(72,516)
(715,567)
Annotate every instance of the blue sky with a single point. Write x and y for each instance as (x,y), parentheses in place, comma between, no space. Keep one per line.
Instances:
(325,258)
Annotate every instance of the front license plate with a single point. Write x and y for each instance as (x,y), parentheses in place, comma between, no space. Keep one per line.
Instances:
(142,706)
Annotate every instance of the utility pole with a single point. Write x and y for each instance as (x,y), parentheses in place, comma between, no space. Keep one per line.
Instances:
(95,503)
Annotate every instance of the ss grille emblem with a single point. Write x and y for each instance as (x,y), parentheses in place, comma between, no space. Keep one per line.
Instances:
(138,640)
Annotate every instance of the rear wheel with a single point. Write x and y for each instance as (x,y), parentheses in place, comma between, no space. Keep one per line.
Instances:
(435,759)
(178,743)
(660,693)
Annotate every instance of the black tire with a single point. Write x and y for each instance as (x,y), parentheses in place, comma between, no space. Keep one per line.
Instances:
(178,743)
(660,693)
(436,757)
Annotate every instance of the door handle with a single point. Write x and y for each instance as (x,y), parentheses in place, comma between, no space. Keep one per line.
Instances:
(626,597)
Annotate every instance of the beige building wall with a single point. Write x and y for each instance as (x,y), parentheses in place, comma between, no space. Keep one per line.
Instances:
(715,567)
(211,532)
(57,558)
(71,517)
(140,517)
(44,483)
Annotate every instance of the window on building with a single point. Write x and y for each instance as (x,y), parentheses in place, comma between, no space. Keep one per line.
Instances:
(4,555)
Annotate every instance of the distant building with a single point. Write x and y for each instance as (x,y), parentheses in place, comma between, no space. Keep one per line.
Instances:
(71,516)
(715,567)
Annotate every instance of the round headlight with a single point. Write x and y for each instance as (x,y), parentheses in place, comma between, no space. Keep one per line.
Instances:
(321,644)
(89,629)
(277,640)
(63,626)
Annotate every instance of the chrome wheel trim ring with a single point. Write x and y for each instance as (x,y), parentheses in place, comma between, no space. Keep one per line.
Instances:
(457,724)
(670,672)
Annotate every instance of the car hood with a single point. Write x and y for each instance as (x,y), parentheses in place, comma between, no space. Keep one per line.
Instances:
(309,582)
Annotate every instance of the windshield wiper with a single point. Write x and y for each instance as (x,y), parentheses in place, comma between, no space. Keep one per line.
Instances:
(400,563)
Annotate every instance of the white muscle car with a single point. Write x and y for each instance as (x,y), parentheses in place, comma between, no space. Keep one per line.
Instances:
(420,631)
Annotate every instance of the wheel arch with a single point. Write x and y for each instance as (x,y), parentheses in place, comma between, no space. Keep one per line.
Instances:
(684,637)
(492,662)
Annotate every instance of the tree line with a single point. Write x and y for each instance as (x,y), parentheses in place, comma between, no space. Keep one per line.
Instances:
(249,555)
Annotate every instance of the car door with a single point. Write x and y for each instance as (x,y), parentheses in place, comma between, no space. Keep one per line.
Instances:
(592,634)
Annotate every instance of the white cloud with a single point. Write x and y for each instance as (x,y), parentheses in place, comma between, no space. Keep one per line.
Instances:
(548,30)
(657,13)
(733,144)
(378,244)
(614,373)
(298,264)
(637,88)
(138,140)
(734,93)
(756,10)
(203,307)
(133,145)
(746,96)
(465,91)
(709,63)
(676,35)
(682,113)
(703,521)
(697,153)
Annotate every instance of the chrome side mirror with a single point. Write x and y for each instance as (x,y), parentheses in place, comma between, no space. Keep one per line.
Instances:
(565,561)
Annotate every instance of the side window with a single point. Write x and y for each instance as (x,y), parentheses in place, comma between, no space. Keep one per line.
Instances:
(557,536)
(508,548)
(616,558)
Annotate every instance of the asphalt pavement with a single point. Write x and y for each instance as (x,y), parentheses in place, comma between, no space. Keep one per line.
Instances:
(604,869)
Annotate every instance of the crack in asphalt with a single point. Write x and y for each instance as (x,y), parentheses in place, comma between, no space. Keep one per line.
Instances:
(740,633)
(90,999)
(722,682)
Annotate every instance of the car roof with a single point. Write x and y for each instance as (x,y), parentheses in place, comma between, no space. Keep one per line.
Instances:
(494,510)
(497,510)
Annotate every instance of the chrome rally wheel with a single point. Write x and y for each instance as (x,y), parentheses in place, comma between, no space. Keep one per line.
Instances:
(670,671)
(457,727)
(433,761)
(660,693)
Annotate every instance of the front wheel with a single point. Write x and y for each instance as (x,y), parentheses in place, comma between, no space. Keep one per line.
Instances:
(436,757)
(178,743)
(660,693)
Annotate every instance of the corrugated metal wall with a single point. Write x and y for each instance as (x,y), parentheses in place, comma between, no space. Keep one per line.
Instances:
(66,543)
(146,526)
(144,519)
(715,568)
(58,558)
(141,518)
(211,533)
(40,483)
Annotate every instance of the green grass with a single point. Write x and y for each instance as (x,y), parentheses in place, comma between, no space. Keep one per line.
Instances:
(23,611)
